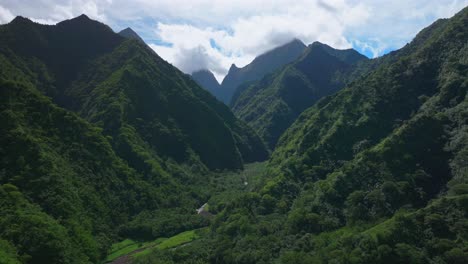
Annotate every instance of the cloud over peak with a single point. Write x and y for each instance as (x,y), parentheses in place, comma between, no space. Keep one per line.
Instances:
(213,34)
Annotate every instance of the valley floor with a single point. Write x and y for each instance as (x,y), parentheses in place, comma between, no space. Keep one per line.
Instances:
(224,187)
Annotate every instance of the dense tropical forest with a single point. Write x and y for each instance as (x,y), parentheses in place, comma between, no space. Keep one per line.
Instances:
(109,154)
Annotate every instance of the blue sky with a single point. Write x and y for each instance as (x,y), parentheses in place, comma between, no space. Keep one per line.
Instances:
(212,34)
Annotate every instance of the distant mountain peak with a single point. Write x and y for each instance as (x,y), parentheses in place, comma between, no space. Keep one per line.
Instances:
(260,66)
(82,17)
(295,41)
(80,20)
(349,56)
(21,19)
(128,29)
(202,71)
(206,79)
(295,44)
(318,44)
(233,68)
(129,33)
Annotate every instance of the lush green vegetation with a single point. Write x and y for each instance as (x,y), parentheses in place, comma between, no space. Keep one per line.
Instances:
(102,140)
(272,104)
(228,186)
(376,173)
(121,146)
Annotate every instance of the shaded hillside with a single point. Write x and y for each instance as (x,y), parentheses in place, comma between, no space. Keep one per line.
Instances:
(272,104)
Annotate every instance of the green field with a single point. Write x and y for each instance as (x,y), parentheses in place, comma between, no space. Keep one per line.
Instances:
(127,246)
(172,242)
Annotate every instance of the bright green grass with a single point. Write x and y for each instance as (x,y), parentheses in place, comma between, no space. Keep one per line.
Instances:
(175,241)
(122,248)
(126,246)
(178,240)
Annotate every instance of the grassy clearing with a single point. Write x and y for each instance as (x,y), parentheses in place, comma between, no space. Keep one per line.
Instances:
(178,240)
(122,248)
(127,246)
(172,242)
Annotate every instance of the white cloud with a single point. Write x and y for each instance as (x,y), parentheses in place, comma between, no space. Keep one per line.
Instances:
(5,15)
(246,37)
(54,11)
(243,29)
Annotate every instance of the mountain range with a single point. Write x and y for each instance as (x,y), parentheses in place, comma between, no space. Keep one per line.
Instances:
(259,67)
(272,104)
(373,173)
(325,156)
(96,130)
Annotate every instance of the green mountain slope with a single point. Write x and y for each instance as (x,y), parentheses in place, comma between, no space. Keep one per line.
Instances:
(376,173)
(128,83)
(73,199)
(101,138)
(271,105)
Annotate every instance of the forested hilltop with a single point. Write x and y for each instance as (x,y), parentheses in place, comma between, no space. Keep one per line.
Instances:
(101,139)
(106,150)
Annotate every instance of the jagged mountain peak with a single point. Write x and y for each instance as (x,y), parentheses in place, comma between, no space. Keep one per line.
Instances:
(233,68)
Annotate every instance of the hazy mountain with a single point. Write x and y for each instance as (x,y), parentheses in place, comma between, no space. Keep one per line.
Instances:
(272,104)
(207,80)
(259,67)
